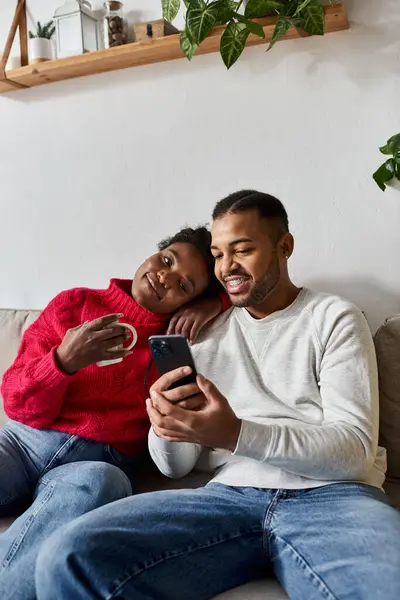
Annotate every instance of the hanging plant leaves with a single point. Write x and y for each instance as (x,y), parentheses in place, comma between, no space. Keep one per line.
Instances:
(226,10)
(302,6)
(289,9)
(282,26)
(385,173)
(200,21)
(194,3)
(233,41)
(170,9)
(397,166)
(252,26)
(188,47)
(392,146)
(261,8)
(312,17)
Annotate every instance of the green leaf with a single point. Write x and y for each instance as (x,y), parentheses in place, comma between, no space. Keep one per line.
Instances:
(252,26)
(313,18)
(200,21)
(233,41)
(170,9)
(225,11)
(397,167)
(289,9)
(392,146)
(261,8)
(301,6)
(385,173)
(282,26)
(188,47)
(194,3)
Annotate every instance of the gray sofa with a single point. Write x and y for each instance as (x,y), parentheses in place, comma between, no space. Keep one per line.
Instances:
(14,322)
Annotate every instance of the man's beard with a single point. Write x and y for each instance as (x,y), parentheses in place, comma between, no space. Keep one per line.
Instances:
(260,289)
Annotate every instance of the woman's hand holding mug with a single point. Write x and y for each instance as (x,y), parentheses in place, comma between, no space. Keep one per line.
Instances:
(99,341)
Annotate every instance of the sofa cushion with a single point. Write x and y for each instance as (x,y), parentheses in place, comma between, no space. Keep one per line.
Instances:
(387,343)
(12,325)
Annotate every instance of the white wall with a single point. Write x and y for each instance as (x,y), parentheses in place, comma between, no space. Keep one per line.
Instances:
(94,171)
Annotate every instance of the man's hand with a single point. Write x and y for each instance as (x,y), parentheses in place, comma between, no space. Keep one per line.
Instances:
(191,319)
(90,343)
(187,396)
(213,424)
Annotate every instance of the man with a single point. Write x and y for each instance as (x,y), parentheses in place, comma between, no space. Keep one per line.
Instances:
(290,426)
(77,427)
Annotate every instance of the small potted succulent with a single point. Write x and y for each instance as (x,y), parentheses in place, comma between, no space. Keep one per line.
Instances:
(389,172)
(40,46)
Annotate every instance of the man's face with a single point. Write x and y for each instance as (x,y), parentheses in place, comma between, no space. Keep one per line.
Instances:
(170,278)
(247,262)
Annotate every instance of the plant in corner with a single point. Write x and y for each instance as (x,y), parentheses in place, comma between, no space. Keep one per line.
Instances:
(390,169)
(203,15)
(40,48)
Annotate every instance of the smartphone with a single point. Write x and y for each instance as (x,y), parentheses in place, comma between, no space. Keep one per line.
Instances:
(171,352)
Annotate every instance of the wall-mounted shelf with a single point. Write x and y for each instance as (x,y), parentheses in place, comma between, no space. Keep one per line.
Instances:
(144,53)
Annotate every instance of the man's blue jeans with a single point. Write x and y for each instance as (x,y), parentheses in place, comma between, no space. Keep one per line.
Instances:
(58,477)
(335,542)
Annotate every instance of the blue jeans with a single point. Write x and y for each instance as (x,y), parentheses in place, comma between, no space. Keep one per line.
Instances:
(334,542)
(56,477)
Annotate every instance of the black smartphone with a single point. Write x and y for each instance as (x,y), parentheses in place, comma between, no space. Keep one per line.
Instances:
(171,352)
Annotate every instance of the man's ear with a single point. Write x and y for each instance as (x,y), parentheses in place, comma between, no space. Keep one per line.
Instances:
(286,246)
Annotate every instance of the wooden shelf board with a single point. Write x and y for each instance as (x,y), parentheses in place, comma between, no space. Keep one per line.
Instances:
(147,52)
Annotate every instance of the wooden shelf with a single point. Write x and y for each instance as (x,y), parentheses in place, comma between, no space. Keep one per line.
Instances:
(145,53)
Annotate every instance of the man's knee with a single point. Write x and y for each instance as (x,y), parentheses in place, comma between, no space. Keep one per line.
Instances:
(55,560)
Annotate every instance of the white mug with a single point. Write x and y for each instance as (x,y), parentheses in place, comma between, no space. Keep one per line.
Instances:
(113,361)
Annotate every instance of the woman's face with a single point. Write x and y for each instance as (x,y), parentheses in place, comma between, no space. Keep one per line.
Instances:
(171,278)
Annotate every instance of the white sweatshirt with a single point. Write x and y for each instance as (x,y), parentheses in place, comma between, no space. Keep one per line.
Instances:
(304,382)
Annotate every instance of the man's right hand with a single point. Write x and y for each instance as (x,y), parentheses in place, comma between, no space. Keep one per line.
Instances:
(90,343)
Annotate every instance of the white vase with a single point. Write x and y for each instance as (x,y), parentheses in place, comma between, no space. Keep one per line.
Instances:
(40,50)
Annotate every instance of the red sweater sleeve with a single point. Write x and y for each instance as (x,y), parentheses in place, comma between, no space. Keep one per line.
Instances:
(33,388)
(225,302)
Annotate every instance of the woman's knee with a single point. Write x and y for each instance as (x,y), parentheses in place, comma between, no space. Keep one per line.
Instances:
(98,483)
(107,481)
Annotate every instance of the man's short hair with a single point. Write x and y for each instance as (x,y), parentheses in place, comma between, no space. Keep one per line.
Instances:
(267,206)
(200,238)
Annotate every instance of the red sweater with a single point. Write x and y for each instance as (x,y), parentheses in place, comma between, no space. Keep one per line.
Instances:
(102,404)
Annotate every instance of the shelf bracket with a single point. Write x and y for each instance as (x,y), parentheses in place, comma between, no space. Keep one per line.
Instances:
(19,22)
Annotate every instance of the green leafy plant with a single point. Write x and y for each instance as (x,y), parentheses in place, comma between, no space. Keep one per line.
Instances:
(45,31)
(203,15)
(391,167)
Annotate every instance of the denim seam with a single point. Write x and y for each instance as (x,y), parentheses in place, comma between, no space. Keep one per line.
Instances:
(20,538)
(176,554)
(50,464)
(312,575)
(267,522)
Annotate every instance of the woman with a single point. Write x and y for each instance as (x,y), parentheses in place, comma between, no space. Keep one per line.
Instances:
(77,426)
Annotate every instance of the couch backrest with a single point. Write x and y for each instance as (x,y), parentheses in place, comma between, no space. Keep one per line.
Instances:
(12,325)
(387,344)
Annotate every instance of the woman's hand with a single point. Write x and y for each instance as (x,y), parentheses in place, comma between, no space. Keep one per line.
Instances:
(191,319)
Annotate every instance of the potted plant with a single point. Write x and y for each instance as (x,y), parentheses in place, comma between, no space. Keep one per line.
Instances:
(389,172)
(237,17)
(40,46)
